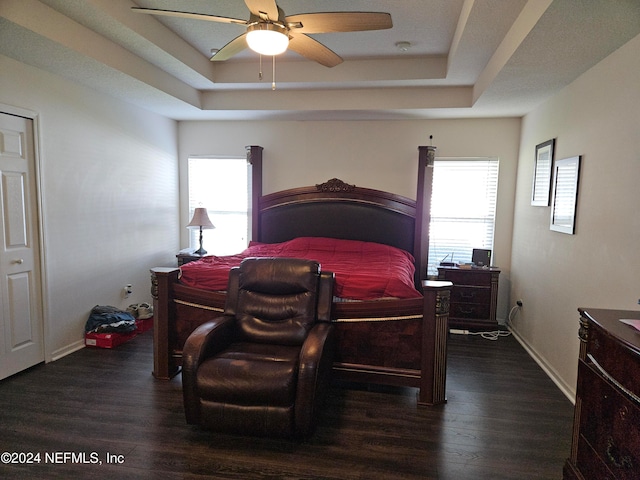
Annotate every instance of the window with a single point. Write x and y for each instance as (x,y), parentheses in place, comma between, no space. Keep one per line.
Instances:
(221,185)
(463,209)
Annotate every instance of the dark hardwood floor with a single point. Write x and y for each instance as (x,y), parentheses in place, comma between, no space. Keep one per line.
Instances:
(504,419)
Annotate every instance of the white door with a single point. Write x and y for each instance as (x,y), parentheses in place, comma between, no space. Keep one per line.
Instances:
(21,321)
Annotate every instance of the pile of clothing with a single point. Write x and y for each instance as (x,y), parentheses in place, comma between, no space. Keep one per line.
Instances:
(107,319)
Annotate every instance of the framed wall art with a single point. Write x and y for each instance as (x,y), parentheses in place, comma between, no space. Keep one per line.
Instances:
(541,189)
(566,173)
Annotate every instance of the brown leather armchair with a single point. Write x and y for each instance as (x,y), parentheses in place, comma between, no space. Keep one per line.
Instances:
(261,368)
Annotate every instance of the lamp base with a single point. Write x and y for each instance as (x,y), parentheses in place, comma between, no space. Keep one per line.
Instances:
(200,251)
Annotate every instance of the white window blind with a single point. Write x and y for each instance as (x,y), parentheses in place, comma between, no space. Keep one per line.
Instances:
(221,185)
(463,209)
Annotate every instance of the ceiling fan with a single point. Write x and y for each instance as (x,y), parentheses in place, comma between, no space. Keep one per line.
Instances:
(270,32)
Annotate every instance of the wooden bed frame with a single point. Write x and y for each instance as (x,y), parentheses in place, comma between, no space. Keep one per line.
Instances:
(400,342)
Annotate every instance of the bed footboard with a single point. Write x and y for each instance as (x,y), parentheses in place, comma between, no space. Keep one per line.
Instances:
(177,311)
(405,345)
(398,343)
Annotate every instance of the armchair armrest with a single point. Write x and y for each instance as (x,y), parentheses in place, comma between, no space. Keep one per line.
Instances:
(316,359)
(207,339)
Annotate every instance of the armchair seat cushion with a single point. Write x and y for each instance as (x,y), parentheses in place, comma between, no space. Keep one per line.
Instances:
(250,374)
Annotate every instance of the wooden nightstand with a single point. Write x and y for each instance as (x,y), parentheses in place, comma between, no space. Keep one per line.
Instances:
(474,297)
(186,255)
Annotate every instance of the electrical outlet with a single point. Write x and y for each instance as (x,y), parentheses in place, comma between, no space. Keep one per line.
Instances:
(127,290)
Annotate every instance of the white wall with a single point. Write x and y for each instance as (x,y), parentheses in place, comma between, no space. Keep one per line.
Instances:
(373,154)
(598,117)
(109,195)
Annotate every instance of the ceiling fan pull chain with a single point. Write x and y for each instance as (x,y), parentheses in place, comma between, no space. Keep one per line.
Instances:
(260,72)
(273,81)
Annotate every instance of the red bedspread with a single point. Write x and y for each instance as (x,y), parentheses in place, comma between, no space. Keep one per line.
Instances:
(364,270)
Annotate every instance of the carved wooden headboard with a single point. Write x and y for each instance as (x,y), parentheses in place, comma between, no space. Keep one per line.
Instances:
(338,209)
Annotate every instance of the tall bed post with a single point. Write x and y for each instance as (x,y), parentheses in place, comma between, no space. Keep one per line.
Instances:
(426,156)
(433,376)
(254,159)
(162,281)
(435,321)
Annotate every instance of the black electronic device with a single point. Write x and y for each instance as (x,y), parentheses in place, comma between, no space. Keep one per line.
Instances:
(447,264)
(481,257)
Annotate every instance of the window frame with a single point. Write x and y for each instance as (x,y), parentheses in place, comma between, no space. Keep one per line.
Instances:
(437,220)
(211,237)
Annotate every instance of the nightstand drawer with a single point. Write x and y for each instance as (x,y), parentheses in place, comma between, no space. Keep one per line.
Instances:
(480,278)
(471,295)
(469,310)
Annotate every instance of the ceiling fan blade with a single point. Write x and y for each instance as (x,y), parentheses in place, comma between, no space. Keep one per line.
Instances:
(230,49)
(195,16)
(314,50)
(339,22)
(268,7)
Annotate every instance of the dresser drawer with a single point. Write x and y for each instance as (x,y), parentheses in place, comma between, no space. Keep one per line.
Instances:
(471,294)
(605,443)
(609,423)
(591,464)
(619,362)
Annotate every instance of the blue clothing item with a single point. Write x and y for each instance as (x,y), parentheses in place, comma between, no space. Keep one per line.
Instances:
(106,319)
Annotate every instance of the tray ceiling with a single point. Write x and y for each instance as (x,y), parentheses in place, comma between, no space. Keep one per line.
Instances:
(467,58)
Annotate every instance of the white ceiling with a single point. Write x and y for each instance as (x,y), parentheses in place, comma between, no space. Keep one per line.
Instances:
(468,58)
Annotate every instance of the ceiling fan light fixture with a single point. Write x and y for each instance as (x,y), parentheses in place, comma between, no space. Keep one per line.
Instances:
(267,38)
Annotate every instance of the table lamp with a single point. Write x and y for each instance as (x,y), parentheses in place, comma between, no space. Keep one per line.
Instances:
(200,219)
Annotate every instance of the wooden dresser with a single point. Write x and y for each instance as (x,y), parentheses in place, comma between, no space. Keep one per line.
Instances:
(474,297)
(606,430)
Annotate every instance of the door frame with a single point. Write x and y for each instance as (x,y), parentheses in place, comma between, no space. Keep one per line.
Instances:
(35,118)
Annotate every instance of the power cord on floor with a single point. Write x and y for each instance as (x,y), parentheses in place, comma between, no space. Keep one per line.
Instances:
(493,335)
(512,315)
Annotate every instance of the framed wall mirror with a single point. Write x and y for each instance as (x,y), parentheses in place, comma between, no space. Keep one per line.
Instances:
(566,174)
(541,189)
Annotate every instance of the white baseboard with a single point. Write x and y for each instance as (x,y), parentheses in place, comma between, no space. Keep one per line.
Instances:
(66,350)
(564,388)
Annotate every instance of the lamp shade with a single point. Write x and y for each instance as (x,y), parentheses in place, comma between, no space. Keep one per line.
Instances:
(267,38)
(200,219)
